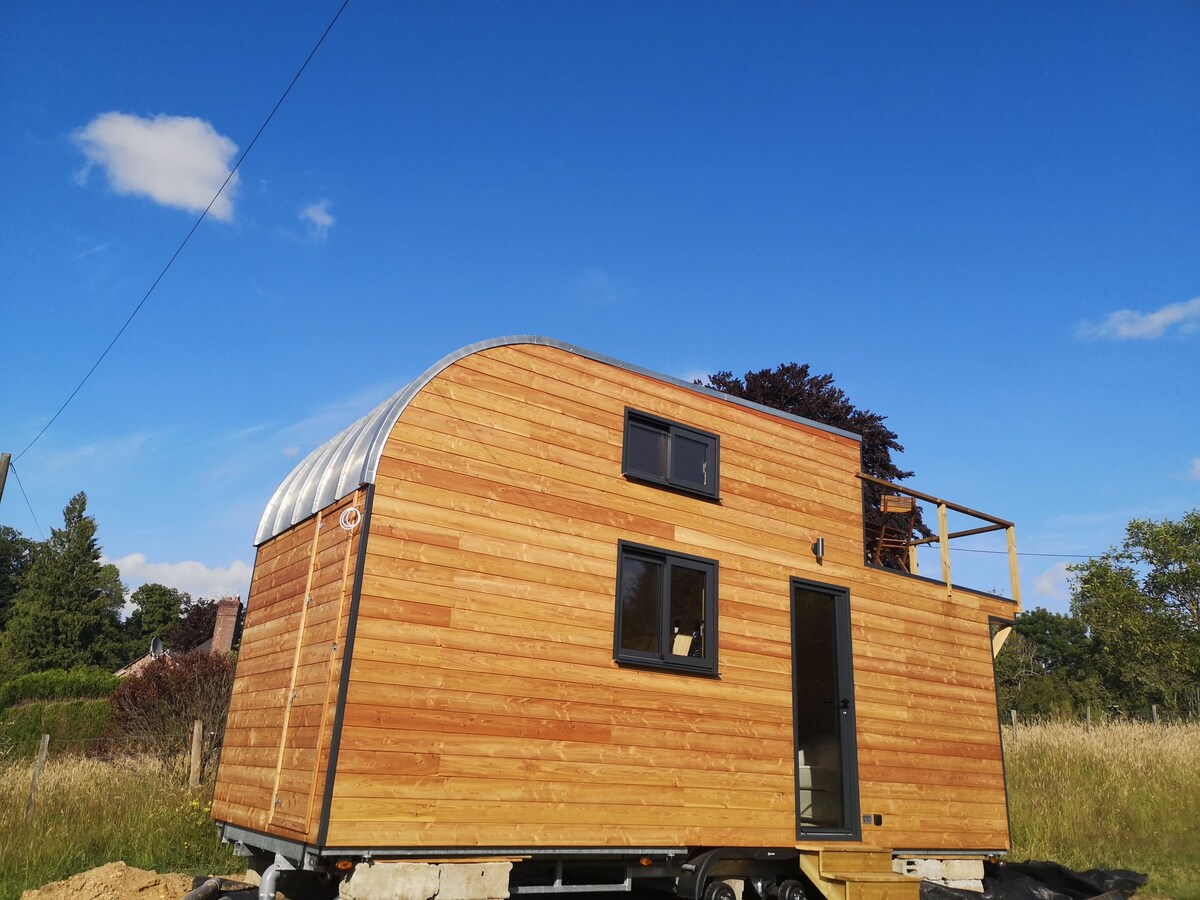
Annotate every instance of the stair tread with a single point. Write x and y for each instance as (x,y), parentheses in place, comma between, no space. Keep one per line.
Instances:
(881,877)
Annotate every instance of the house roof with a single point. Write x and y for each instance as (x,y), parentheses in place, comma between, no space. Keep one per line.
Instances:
(351,458)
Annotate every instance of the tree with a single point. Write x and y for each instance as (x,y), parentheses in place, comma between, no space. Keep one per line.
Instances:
(1139,604)
(65,612)
(16,553)
(793,389)
(158,610)
(194,626)
(1045,668)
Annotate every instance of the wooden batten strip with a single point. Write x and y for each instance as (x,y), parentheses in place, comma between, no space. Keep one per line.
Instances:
(283,734)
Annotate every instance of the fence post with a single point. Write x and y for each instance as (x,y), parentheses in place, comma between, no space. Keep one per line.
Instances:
(197,741)
(1154,712)
(37,773)
(1013,715)
(1089,717)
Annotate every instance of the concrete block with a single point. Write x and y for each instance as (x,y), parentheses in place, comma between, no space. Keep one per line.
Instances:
(391,881)
(474,881)
(966,884)
(932,869)
(963,869)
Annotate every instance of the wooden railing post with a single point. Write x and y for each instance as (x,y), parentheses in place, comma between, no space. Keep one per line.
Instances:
(1011,533)
(197,744)
(944,546)
(31,803)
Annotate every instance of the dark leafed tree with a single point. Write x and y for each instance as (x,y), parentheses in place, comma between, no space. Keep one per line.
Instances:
(792,388)
(65,611)
(195,625)
(16,553)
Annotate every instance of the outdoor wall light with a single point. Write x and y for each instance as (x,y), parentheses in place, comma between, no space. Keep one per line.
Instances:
(818,549)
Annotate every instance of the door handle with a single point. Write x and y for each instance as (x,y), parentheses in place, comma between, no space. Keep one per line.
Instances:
(844,706)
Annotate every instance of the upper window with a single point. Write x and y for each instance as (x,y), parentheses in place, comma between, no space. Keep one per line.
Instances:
(670,454)
(666,610)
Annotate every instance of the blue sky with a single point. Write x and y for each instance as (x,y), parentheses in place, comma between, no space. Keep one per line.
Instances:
(981,218)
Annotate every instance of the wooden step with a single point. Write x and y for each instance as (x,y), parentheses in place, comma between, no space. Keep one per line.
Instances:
(857,873)
(856,859)
(902,888)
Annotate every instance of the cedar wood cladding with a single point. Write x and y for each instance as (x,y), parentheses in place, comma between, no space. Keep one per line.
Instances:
(483,707)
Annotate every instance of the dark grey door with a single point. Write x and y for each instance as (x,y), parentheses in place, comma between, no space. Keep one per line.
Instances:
(823,696)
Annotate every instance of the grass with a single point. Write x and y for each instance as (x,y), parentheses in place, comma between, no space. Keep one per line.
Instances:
(1124,795)
(1118,796)
(90,812)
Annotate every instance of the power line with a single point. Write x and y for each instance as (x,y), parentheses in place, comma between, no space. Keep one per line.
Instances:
(192,231)
(13,469)
(1024,553)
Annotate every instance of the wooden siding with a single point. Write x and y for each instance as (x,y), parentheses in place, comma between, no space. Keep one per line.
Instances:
(484,707)
(280,725)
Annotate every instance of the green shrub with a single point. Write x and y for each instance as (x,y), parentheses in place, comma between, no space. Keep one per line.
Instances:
(84,683)
(71,724)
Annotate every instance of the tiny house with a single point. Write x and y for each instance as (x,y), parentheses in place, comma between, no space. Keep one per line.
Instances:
(606,627)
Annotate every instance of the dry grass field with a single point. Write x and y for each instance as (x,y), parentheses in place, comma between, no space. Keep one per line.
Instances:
(1119,796)
(90,812)
(1122,795)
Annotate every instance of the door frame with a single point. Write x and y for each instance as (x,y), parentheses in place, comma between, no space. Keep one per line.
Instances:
(847,729)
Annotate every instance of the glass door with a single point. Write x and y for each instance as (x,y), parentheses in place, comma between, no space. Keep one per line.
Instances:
(823,698)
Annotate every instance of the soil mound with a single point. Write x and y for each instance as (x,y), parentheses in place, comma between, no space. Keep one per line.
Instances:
(115,881)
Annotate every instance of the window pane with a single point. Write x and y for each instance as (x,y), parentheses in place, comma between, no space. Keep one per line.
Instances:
(687,611)
(689,460)
(647,450)
(641,604)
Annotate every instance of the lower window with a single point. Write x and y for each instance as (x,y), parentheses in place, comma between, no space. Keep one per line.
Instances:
(666,610)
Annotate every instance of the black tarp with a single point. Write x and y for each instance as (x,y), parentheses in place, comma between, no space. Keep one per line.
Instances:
(1035,880)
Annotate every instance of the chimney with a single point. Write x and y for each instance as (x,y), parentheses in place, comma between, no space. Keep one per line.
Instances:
(223,628)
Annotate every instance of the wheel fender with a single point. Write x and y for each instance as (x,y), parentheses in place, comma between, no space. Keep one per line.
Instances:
(698,869)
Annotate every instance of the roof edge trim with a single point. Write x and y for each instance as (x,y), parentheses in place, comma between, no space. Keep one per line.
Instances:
(356,450)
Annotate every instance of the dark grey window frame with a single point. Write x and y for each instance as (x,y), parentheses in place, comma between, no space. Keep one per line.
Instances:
(672,430)
(664,659)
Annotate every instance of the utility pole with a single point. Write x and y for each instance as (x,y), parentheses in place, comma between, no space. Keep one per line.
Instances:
(4,460)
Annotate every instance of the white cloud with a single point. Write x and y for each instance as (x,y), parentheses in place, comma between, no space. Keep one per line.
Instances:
(96,248)
(1052,583)
(1194,471)
(111,451)
(319,219)
(595,287)
(178,161)
(1128,324)
(193,577)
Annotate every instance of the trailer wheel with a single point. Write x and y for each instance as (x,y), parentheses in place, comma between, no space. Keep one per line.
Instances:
(719,890)
(792,890)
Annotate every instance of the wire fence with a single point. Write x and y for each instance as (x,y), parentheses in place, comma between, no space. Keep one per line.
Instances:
(1099,716)
(194,751)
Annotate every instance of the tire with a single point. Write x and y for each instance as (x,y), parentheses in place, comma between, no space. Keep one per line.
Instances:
(792,890)
(719,890)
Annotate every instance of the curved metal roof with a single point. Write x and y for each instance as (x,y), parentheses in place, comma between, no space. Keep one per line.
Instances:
(351,458)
